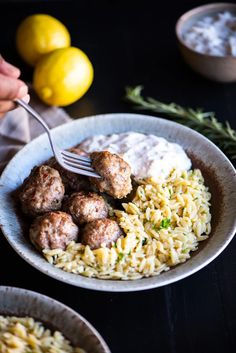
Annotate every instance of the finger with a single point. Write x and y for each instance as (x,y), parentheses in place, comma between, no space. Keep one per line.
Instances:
(26,98)
(8,69)
(11,88)
(6,106)
(23,91)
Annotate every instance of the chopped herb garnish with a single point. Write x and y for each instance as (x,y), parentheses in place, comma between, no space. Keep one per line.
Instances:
(120,256)
(185,251)
(144,241)
(115,245)
(165,223)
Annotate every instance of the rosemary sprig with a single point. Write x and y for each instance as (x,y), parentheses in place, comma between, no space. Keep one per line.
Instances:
(204,122)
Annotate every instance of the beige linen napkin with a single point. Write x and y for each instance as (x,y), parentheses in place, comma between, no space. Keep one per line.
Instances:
(18,128)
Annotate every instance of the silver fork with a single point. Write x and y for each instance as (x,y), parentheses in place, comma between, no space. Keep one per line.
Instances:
(69,161)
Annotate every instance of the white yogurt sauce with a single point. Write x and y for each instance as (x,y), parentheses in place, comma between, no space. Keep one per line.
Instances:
(213,35)
(147,155)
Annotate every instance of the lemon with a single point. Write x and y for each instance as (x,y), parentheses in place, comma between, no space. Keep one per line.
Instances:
(40,34)
(63,76)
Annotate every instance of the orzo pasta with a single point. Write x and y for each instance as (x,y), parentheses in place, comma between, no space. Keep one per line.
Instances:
(165,221)
(25,335)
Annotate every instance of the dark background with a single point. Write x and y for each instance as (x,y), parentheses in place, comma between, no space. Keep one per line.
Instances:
(133,43)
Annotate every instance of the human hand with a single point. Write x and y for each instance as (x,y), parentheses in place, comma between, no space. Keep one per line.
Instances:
(10,87)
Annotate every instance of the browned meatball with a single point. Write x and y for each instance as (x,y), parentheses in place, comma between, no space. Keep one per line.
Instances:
(115,173)
(54,230)
(85,208)
(78,151)
(42,191)
(102,231)
(72,181)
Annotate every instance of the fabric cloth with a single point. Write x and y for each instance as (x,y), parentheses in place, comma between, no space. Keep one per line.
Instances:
(18,127)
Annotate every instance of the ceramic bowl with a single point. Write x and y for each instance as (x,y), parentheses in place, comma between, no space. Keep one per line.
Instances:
(217,68)
(54,315)
(216,168)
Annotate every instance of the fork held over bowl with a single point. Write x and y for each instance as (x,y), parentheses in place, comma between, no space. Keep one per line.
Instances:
(68,160)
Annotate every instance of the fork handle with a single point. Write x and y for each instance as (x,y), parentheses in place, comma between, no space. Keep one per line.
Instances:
(33,112)
(36,115)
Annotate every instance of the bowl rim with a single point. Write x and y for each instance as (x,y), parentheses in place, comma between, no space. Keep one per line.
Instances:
(118,285)
(55,303)
(203,9)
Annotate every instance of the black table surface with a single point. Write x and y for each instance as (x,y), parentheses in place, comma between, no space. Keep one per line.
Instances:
(133,43)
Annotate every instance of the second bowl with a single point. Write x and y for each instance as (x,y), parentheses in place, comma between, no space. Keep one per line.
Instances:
(216,68)
(53,315)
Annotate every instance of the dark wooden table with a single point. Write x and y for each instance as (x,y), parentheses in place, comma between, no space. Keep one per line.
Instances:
(131,43)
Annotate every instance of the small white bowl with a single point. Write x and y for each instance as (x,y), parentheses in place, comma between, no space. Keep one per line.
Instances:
(54,315)
(218,172)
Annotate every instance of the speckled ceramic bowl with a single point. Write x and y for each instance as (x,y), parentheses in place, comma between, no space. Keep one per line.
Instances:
(217,170)
(54,315)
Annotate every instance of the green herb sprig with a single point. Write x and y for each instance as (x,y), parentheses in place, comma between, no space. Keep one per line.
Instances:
(204,122)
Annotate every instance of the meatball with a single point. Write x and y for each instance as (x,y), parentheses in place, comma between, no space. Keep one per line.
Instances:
(101,231)
(115,173)
(42,191)
(72,181)
(85,208)
(54,230)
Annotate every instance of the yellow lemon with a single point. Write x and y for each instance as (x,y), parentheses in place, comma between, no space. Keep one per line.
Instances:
(63,76)
(40,34)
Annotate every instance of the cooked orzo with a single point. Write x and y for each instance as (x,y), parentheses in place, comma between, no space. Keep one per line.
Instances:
(25,335)
(165,221)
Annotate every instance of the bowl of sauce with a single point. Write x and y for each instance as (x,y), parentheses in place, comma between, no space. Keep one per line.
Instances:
(207,40)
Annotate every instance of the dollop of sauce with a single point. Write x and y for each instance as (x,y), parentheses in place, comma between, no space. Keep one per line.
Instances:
(147,155)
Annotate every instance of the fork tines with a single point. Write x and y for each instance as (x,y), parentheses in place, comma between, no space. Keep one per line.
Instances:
(78,164)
